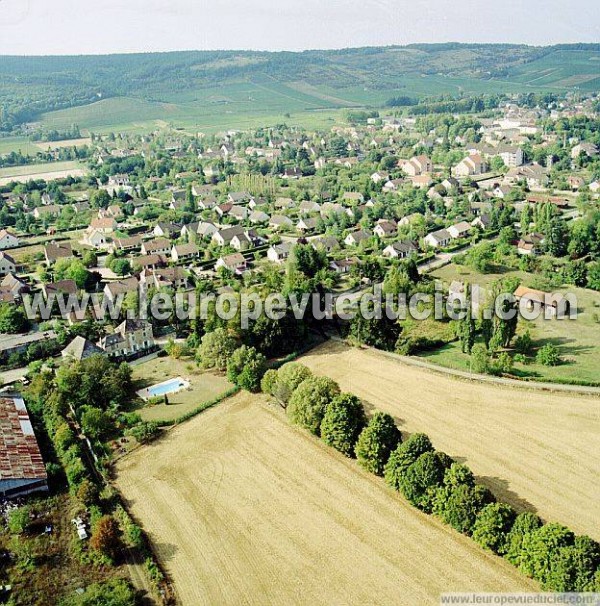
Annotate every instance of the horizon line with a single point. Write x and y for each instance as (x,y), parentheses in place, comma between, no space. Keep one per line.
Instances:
(298,51)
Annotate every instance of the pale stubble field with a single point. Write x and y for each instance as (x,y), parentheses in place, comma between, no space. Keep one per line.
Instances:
(243,508)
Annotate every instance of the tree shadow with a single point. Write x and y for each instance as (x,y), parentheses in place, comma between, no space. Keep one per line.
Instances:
(501,490)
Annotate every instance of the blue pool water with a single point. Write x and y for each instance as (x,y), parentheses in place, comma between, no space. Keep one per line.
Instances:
(168,387)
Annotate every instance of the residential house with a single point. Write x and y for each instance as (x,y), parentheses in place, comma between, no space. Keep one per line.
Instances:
(121,180)
(167,230)
(53,251)
(400,250)
(343,266)
(104,225)
(460,230)
(131,338)
(278,222)
(258,216)
(470,166)
(8,240)
(7,264)
(62,287)
(438,238)
(326,243)
(356,237)
(385,228)
(11,288)
(121,287)
(239,213)
(483,222)
(129,244)
(234,263)
(308,206)
(307,224)
(80,349)
(41,212)
(530,244)
(95,238)
(353,197)
(586,148)
(417,165)
(160,246)
(184,252)
(278,253)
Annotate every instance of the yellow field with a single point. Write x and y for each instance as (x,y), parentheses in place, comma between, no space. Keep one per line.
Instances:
(243,508)
(537,451)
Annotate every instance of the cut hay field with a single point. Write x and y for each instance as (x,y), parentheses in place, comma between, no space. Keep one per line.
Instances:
(535,450)
(48,171)
(243,508)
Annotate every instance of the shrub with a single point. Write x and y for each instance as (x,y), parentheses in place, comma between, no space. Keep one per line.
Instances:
(524,524)
(106,537)
(343,421)
(404,456)
(480,359)
(492,526)
(309,401)
(215,349)
(246,367)
(548,355)
(422,477)
(269,382)
(459,500)
(541,551)
(376,442)
(18,519)
(523,343)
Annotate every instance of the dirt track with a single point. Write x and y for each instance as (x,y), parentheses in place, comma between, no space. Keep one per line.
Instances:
(245,509)
(535,450)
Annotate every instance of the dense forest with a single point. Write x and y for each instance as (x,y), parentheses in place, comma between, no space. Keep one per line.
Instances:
(30,86)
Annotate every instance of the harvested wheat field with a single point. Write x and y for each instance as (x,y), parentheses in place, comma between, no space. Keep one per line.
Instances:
(536,450)
(243,508)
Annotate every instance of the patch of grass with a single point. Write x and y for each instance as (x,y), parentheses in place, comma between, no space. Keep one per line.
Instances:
(204,387)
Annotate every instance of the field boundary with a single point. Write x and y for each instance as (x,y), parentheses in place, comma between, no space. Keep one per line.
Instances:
(474,377)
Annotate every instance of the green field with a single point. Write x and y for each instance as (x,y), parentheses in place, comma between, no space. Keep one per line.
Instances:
(16,144)
(578,340)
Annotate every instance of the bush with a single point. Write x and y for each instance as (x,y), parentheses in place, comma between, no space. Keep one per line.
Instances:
(540,551)
(246,367)
(548,355)
(480,359)
(18,519)
(492,527)
(524,524)
(269,382)
(575,567)
(309,401)
(144,432)
(459,500)
(106,537)
(523,343)
(215,349)
(343,422)
(423,477)
(376,442)
(404,456)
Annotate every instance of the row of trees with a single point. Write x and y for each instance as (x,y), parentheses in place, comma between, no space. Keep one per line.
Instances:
(434,483)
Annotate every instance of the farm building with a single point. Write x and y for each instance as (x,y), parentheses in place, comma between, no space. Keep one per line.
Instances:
(22,469)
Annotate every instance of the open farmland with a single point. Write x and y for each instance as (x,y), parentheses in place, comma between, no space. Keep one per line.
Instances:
(537,451)
(243,508)
(48,172)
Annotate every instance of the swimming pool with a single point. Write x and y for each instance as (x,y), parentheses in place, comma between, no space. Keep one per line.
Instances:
(170,386)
